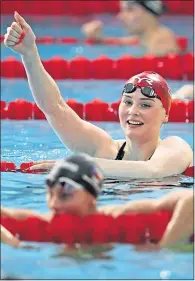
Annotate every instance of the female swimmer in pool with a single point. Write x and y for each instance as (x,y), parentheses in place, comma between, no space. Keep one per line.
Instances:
(144,107)
(73,186)
(141,19)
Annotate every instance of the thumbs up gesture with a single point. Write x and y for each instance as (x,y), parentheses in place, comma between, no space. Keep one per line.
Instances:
(20,37)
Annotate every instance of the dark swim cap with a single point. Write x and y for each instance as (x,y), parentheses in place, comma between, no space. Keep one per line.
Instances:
(79,168)
(156,7)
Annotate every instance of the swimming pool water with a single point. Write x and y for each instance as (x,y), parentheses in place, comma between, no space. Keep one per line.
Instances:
(70,27)
(81,90)
(23,141)
(64,26)
(28,140)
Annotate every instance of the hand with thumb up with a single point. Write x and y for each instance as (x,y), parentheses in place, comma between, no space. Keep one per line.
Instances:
(20,37)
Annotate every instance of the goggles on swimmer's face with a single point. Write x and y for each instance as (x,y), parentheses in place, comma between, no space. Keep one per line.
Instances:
(146,91)
(67,184)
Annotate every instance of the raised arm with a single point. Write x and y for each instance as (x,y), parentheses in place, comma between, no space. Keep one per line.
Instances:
(76,134)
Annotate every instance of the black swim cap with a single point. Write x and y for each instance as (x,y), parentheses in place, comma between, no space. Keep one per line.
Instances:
(156,7)
(79,168)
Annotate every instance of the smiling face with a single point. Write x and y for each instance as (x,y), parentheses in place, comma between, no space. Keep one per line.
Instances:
(62,200)
(141,117)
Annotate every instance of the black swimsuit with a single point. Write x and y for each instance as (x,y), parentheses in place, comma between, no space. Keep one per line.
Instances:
(121,152)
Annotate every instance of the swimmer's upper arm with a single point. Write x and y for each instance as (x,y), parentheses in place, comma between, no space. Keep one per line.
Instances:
(17,213)
(78,135)
(22,214)
(172,156)
(166,202)
(169,201)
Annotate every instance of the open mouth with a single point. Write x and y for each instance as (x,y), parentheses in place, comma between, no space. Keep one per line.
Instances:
(134,123)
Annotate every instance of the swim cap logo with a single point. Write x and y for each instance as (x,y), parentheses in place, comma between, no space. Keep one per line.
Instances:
(70,166)
(148,80)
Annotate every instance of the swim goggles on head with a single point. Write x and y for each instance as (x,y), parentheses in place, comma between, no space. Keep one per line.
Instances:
(146,91)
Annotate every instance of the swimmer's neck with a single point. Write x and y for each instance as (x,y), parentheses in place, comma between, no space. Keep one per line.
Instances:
(143,150)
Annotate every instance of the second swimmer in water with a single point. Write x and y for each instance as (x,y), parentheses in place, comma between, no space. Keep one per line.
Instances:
(73,186)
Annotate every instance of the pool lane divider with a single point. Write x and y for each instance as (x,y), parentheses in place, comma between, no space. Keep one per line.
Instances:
(171,66)
(82,8)
(25,168)
(135,228)
(182,42)
(95,110)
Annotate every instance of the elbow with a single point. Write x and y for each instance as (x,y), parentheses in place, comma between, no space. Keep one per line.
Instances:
(44,107)
(49,108)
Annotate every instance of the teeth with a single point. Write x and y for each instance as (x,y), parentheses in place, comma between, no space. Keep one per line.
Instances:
(134,122)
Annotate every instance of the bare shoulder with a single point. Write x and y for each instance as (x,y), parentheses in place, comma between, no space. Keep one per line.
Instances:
(175,141)
(166,37)
(165,32)
(119,143)
(164,41)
